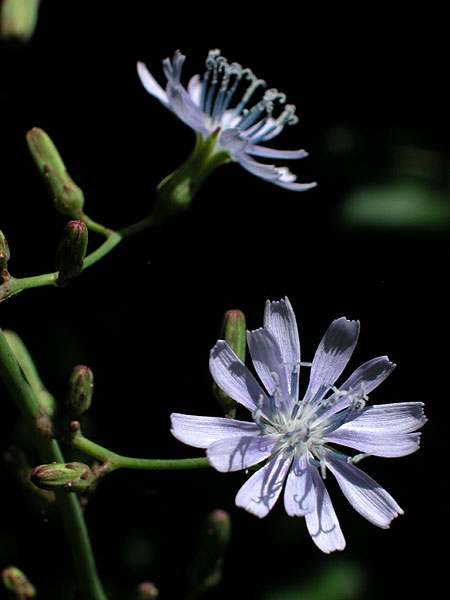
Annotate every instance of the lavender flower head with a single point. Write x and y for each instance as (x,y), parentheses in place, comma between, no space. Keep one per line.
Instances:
(292,437)
(206,107)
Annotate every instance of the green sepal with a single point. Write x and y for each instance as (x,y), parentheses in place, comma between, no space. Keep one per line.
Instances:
(68,198)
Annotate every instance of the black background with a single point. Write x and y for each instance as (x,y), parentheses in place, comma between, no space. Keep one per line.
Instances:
(369,90)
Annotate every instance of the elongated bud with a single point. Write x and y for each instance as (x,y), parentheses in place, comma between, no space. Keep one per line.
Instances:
(233,332)
(67,197)
(71,250)
(71,477)
(4,252)
(18,19)
(17,584)
(205,570)
(147,591)
(79,391)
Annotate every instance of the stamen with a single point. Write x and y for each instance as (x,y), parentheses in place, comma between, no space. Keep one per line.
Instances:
(218,65)
(257,413)
(294,381)
(323,466)
(295,410)
(355,459)
(254,84)
(225,95)
(210,64)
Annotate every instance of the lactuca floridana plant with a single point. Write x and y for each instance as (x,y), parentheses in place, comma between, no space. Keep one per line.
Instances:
(217,107)
(291,437)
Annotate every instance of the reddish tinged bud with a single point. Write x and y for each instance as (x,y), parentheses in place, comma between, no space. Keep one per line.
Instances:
(4,252)
(71,477)
(147,591)
(71,251)
(205,570)
(17,584)
(79,391)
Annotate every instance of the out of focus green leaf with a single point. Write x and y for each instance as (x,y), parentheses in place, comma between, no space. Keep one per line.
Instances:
(403,203)
(341,580)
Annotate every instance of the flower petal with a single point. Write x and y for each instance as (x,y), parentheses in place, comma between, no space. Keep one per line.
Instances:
(265,152)
(233,377)
(376,443)
(259,493)
(200,432)
(299,496)
(322,522)
(381,430)
(267,360)
(331,357)
(151,85)
(280,320)
(364,494)
(402,417)
(234,454)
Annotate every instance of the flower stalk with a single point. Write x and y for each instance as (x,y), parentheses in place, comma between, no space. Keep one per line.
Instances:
(68,505)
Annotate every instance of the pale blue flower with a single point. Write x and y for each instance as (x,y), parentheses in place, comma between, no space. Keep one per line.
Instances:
(292,437)
(207,107)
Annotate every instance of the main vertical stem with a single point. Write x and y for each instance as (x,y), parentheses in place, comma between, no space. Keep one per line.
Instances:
(68,505)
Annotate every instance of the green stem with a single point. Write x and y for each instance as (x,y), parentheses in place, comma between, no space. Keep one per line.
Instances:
(68,505)
(113,461)
(12,286)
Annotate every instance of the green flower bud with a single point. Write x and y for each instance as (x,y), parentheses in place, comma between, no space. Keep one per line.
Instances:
(67,197)
(177,190)
(71,477)
(71,250)
(205,570)
(17,584)
(4,252)
(233,332)
(79,391)
(147,591)
(18,19)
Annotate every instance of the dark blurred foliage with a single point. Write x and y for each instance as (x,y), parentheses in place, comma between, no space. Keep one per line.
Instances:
(370,242)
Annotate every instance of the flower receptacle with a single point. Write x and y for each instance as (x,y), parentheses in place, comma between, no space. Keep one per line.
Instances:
(176,192)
